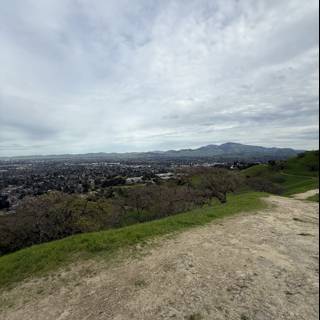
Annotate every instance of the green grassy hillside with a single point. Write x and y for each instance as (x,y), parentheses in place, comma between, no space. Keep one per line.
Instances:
(40,259)
(314,198)
(298,184)
(306,164)
(260,170)
(298,174)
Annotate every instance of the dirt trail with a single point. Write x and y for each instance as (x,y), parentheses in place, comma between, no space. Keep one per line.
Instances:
(305,195)
(252,266)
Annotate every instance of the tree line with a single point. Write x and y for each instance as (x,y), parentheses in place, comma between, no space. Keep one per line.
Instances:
(56,215)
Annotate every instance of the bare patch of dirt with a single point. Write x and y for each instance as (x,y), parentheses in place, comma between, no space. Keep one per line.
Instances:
(252,266)
(306,195)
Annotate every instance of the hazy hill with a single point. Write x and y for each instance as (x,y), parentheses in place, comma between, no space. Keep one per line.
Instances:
(234,150)
(226,151)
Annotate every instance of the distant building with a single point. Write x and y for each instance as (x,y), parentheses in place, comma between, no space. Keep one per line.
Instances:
(165,176)
(134,180)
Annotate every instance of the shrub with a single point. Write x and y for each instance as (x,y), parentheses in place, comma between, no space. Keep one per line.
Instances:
(155,202)
(278,179)
(56,215)
(49,217)
(264,185)
(214,182)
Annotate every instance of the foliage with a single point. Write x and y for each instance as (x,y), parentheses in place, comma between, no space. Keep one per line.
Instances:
(40,259)
(265,185)
(298,184)
(56,215)
(306,164)
(314,198)
(295,175)
(212,182)
(49,217)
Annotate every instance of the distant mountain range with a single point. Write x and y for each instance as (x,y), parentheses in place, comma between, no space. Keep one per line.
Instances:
(224,152)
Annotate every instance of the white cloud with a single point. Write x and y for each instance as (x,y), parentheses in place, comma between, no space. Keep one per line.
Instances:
(80,76)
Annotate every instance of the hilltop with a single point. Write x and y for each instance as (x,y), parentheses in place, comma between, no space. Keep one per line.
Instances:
(258,265)
(298,174)
(263,256)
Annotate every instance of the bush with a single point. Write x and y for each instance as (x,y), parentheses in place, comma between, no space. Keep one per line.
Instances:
(49,217)
(215,183)
(265,185)
(56,215)
(278,179)
(155,202)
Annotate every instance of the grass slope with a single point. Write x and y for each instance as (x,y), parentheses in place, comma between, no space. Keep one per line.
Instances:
(40,259)
(298,184)
(306,164)
(299,174)
(314,198)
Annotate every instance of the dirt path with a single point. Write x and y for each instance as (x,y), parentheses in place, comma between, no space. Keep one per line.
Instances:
(305,195)
(258,267)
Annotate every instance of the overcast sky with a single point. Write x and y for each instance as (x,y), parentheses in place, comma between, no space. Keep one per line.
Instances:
(126,75)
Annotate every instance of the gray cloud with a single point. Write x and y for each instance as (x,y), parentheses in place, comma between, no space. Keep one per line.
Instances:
(79,76)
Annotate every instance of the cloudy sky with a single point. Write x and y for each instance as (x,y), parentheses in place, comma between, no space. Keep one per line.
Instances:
(126,75)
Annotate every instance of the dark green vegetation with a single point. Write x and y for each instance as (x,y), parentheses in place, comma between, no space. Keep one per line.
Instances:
(56,215)
(305,164)
(127,216)
(314,198)
(296,175)
(39,259)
